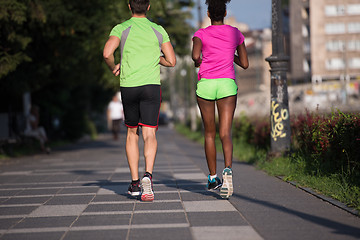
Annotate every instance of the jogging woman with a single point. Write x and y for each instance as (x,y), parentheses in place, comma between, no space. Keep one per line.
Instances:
(213,51)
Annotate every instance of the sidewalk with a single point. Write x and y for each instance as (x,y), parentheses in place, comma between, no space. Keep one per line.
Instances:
(79,192)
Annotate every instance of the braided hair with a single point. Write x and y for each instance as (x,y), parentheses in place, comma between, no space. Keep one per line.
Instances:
(217,9)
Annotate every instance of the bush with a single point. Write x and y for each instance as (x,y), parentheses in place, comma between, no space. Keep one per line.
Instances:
(332,141)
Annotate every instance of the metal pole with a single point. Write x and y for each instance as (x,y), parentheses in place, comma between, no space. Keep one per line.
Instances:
(279,103)
(199,14)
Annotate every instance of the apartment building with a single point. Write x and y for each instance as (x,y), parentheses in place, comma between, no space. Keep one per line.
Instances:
(324,40)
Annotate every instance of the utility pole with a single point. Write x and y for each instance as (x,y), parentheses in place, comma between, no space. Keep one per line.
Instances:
(279,103)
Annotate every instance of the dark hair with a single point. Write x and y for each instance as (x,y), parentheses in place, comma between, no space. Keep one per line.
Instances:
(139,6)
(217,9)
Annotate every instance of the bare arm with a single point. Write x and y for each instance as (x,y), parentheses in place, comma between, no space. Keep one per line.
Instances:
(242,58)
(196,51)
(169,58)
(111,45)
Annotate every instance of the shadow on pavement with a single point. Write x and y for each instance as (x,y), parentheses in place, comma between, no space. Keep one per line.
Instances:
(338,227)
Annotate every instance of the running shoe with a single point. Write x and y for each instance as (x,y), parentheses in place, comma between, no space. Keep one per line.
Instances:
(134,188)
(213,184)
(147,193)
(226,189)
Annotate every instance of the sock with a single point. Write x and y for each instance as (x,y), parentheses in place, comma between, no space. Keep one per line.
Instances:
(135,181)
(213,177)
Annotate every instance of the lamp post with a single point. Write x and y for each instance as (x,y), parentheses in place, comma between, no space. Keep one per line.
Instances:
(279,103)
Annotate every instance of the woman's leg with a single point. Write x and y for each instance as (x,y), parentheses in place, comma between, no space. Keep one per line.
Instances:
(207,109)
(226,108)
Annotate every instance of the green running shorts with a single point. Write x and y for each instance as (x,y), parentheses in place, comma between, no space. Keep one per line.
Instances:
(214,89)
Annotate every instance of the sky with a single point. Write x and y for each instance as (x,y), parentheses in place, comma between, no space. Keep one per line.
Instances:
(255,13)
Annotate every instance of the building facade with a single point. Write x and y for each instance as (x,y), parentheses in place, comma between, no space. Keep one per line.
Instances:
(324,40)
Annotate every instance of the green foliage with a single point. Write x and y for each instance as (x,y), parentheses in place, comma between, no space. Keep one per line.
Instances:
(14,14)
(332,141)
(53,49)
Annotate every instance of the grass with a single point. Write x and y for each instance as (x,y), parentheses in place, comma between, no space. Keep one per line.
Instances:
(294,168)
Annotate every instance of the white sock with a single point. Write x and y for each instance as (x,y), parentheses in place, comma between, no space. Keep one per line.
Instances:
(213,176)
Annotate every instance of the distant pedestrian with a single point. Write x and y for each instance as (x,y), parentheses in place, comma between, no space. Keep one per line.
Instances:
(141,43)
(213,51)
(33,129)
(115,115)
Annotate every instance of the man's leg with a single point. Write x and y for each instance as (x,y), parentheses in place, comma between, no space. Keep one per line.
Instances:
(132,152)
(150,147)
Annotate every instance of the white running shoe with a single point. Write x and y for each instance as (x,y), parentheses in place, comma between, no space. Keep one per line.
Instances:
(227,189)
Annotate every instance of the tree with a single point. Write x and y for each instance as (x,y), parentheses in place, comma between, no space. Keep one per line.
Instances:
(53,49)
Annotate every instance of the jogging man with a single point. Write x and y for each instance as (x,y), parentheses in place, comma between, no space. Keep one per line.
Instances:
(141,44)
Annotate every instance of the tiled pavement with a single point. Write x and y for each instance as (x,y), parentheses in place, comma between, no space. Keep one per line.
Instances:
(79,192)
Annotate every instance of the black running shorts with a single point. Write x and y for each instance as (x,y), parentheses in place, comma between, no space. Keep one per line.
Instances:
(141,105)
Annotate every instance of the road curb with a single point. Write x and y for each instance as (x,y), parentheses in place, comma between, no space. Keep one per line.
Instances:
(330,200)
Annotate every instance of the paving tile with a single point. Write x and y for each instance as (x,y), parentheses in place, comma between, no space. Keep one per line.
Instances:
(70,200)
(26,200)
(97,235)
(158,205)
(167,196)
(162,187)
(103,220)
(193,176)
(33,236)
(216,219)
(225,233)
(36,192)
(9,193)
(29,178)
(58,210)
(94,177)
(79,190)
(110,207)
(46,222)
(114,198)
(200,196)
(62,178)
(180,233)
(158,218)
(14,173)
(208,206)
(113,189)
(7,223)
(18,210)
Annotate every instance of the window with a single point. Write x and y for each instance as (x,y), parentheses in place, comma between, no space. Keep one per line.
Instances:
(354,27)
(335,28)
(353,9)
(354,63)
(335,45)
(306,66)
(305,31)
(334,10)
(353,45)
(335,64)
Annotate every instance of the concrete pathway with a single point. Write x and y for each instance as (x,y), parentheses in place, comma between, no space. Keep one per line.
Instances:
(79,192)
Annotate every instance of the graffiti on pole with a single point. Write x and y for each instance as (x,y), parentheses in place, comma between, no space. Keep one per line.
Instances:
(277,117)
